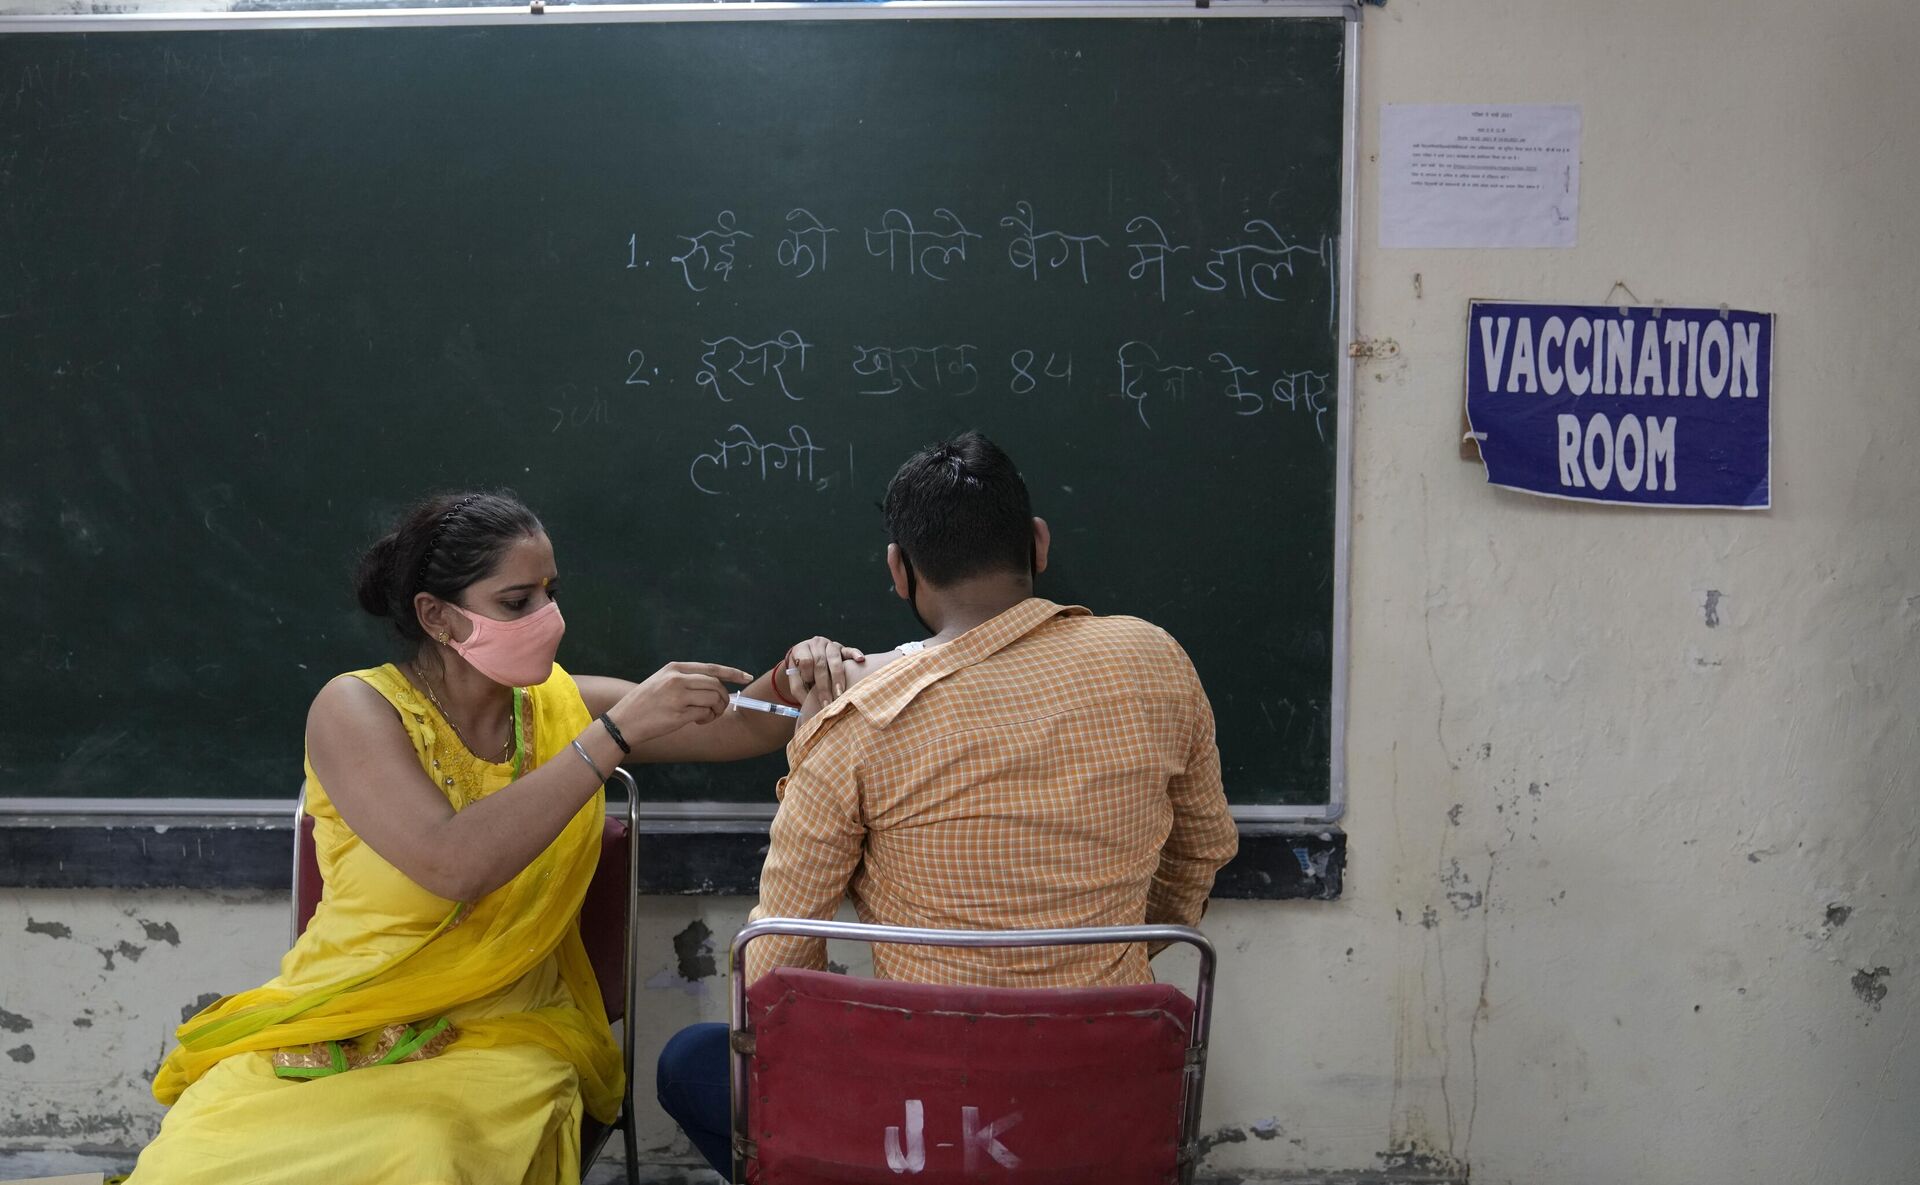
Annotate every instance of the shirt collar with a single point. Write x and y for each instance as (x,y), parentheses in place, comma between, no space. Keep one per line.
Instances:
(886,694)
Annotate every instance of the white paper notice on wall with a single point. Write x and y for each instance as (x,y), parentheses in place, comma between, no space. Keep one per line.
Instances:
(1479,175)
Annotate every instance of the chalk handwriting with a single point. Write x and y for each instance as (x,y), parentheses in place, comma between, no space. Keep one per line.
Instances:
(1025,380)
(1303,391)
(888,370)
(1029,244)
(805,247)
(711,252)
(738,361)
(928,253)
(638,360)
(1255,267)
(1150,252)
(573,411)
(738,451)
(1246,402)
(1143,376)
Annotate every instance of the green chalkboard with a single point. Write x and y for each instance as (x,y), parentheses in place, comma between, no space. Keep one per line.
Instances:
(692,288)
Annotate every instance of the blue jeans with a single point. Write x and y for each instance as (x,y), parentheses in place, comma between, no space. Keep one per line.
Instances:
(691,1083)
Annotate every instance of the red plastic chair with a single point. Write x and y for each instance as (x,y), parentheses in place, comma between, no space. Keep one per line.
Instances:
(607,917)
(842,1080)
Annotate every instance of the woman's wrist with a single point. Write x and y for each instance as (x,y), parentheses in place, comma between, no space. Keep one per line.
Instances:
(613,730)
(628,719)
(594,750)
(779,679)
(580,751)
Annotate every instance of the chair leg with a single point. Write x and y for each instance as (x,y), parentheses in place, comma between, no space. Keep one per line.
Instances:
(629,1124)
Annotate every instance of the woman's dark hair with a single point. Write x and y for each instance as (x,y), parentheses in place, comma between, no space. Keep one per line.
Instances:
(442,546)
(958,509)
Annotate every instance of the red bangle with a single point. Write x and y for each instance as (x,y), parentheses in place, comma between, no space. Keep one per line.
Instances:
(779,681)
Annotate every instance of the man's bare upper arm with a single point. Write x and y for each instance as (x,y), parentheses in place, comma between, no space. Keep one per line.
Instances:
(871,664)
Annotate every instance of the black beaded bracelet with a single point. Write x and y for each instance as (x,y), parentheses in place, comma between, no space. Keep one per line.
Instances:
(617,738)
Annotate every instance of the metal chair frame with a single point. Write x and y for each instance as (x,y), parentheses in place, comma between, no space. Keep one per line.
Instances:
(740,1042)
(593,1143)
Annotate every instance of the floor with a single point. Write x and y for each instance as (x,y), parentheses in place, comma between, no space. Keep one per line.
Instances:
(15,1166)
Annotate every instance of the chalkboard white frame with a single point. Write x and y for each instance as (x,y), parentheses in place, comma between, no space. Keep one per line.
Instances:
(241,810)
(326,17)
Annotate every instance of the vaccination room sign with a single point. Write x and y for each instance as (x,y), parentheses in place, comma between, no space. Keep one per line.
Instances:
(1642,406)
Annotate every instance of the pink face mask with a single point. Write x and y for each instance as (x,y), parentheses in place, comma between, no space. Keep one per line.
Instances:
(517,653)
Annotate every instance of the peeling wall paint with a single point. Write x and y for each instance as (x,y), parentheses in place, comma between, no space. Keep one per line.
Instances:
(693,951)
(160,932)
(99,980)
(189,1011)
(1635,798)
(1871,986)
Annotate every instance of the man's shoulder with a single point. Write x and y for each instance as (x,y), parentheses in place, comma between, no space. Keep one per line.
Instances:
(1117,631)
(1134,656)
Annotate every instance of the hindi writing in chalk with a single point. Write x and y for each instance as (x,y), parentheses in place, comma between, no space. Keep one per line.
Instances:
(572,408)
(1164,362)
(1030,373)
(1031,245)
(1304,391)
(731,363)
(889,370)
(1246,402)
(737,456)
(710,253)
(1255,266)
(1151,250)
(929,253)
(1144,376)
(637,373)
(804,249)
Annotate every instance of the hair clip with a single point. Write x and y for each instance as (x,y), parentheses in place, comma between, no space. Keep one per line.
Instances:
(439,529)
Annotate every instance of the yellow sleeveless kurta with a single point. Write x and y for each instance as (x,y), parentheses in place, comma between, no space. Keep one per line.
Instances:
(532,1052)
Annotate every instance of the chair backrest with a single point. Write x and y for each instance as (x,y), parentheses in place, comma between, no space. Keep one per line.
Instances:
(605,913)
(306,868)
(838,1079)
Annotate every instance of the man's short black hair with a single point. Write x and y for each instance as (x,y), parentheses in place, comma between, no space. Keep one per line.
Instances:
(960,509)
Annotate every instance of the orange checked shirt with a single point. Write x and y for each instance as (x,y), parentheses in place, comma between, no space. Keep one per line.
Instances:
(1048,768)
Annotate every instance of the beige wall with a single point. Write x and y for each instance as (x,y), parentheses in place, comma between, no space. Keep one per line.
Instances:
(1632,976)
(1595,927)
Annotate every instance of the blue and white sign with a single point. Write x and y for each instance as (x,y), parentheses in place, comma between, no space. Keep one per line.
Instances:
(1639,406)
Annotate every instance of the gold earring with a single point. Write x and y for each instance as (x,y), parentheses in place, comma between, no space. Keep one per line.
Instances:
(444,636)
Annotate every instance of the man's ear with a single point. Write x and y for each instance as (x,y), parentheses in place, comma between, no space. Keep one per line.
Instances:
(897,565)
(1042,537)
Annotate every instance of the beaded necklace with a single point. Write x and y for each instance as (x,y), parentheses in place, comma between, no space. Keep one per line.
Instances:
(463,773)
(512,724)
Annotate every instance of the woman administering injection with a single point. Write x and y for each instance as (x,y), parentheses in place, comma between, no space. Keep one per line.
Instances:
(458,809)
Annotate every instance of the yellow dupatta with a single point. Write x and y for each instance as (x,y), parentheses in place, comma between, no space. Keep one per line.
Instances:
(478,950)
